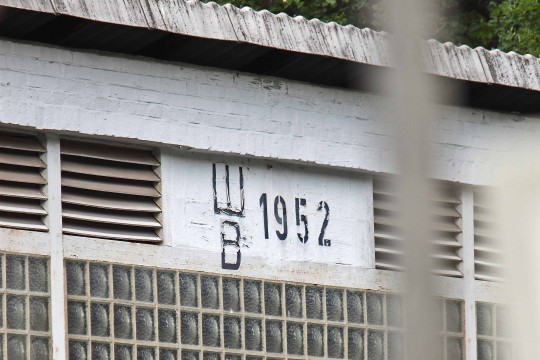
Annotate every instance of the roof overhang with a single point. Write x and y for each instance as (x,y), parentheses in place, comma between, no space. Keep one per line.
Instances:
(260,42)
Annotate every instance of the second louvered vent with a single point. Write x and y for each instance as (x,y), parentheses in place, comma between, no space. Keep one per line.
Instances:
(446,221)
(488,259)
(110,192)
(21,182)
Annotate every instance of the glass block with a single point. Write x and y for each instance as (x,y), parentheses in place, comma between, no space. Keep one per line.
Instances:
(439,306)
(145,324)
(355,307)
(16,347)
(16,310)
(334,305)
(395,346)
(167,326)
(100,351)
(210,330)
(356,344)
(75,275)
(253,358)
(293,301)
(335,342)
(166,288)
(485,350)
(253,334)
(375,314)
(190,355)
(99,281)
(188,290)
(15,272)
(314,303)
(123,352)
(375,345)
(1,271)
(122,322)
(39,314)
(122,283)
(167,354)
(77,350)
(394,311)
(295,339)
(39,349)
(232,330)
(1,310)
(231,295)
(252,296)
(189,329)
(274,341)
(233,357)
(209,292)
(38,275)
(484,319)
(144,289)
(146,353)
(454,349)
(504,323)
(315,340)
(99,319)
(211,356)
(504,351)
(272,299)
(453,316)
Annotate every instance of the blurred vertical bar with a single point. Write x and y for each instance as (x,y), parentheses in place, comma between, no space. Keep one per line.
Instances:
(519,198)
(411,89)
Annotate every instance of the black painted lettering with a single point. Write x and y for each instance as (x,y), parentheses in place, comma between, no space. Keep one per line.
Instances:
(263,202)
(281,219)
(322,240)
(301,218)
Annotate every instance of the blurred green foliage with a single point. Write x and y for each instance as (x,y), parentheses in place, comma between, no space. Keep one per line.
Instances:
(510,25)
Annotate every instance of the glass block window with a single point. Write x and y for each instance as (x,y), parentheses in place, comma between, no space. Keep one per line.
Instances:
(25,331)
(452,329)
(146,313)
(493,331)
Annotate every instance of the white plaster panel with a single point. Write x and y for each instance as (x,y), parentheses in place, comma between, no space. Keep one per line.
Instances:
(195,223)
(209,110)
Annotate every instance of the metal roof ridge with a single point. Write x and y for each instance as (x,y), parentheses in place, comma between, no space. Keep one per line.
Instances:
(296,34)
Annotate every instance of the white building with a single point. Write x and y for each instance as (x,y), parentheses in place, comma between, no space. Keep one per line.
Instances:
(182,180)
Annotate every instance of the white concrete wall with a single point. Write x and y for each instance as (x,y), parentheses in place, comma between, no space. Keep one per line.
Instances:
(210,116)
(205,109)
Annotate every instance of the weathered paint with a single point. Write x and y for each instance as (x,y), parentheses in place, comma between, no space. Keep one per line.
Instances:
(197,224)
(208,110)
(262,28)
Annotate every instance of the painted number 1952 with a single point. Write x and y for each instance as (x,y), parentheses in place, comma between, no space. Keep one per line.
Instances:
(280,215)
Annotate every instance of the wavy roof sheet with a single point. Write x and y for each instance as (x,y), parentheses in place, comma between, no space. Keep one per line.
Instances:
(298,35)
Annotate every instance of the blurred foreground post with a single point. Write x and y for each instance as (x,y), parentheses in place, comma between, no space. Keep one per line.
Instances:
(520,195)
(411,90)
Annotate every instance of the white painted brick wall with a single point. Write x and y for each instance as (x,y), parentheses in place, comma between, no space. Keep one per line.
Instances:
(214,110)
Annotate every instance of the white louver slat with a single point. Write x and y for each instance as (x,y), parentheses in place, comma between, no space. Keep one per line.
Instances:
(446,228)
(488,257)
(21,182)
(109,192)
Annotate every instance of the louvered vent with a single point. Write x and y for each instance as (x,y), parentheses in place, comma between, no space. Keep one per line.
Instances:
(488,259)
(447,223)
(109,192)
(21,182)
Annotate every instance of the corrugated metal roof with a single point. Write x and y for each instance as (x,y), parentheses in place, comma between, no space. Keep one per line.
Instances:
(210,31)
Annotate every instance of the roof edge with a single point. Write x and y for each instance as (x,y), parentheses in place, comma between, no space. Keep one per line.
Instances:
(296,34)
